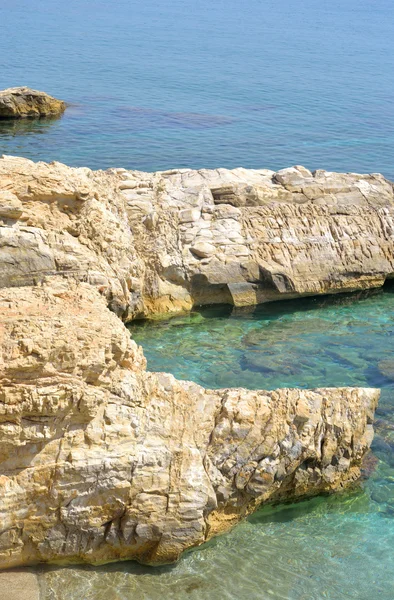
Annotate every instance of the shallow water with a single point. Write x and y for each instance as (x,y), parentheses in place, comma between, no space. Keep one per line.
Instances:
(313,342)
(333,548)
(201,83)
(321,549)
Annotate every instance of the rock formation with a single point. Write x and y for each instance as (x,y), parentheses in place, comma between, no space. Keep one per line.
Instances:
(244,237)
(22,102)
(166,241)
(102,460)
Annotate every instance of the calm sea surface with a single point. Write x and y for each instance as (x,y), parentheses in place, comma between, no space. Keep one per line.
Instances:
(205,83)
(264,83)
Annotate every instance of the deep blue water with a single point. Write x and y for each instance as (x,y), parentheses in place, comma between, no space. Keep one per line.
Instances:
(203,83)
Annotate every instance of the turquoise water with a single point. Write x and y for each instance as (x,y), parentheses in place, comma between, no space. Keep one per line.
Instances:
(333,548)
(345,340)
(193,83)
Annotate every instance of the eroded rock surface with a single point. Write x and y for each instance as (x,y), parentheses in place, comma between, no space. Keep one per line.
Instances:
(245,237)
(23,102)
(55,220)
(101,460)
(165,241)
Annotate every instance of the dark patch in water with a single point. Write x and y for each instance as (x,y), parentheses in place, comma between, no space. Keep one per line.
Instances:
(369,465)
(193,586)
(259,108)
(140,118)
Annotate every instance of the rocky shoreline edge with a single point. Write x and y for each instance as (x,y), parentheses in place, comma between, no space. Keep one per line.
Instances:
(101,460)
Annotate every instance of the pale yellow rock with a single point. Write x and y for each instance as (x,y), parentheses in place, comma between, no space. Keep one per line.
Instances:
(10,206)
(101,460)
(202,249)
(307,233)
(73,223)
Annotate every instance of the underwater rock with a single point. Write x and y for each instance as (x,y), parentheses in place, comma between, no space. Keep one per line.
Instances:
(23,102)
(261,363)
(386,368)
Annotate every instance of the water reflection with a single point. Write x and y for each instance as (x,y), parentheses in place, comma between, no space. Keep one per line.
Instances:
(20,127)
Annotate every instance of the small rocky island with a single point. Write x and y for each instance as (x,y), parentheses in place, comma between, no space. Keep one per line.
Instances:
(23,102)
(102,460)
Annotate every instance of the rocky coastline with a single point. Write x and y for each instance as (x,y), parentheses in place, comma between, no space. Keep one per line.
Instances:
(101,460)
(155,243)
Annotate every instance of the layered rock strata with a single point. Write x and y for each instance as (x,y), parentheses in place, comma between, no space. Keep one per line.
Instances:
(167,241)
(244,237)
(23,102)
(101,460)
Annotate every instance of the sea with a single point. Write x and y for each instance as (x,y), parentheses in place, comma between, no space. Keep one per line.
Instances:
(155,85)
(204,83)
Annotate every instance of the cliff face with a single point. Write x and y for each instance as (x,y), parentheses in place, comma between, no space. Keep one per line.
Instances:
(23,102)
(154,243)
(101,460)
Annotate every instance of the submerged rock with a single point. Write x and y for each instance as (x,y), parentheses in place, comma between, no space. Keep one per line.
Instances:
(386,368)
(22,102)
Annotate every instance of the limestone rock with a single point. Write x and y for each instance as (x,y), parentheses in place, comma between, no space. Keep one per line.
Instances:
(202,249)
(101,460)
(71,222)
(22,102)
(304,233)
(10,206)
